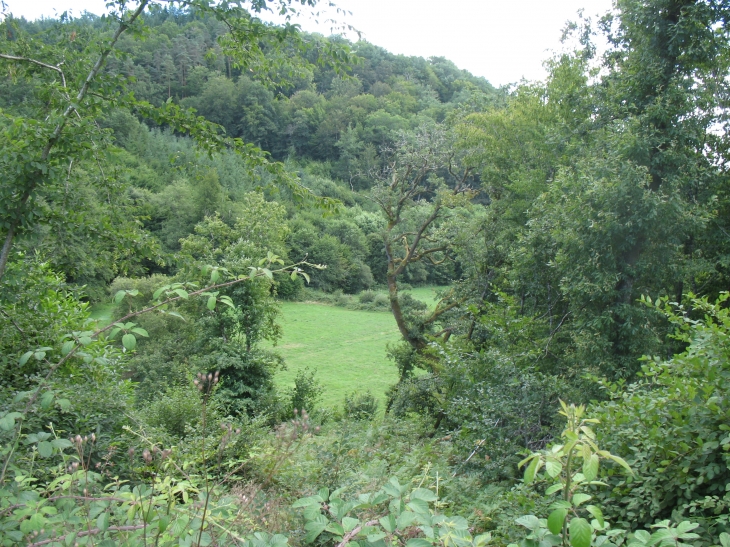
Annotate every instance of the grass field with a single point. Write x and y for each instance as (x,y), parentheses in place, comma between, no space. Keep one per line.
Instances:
(346,347)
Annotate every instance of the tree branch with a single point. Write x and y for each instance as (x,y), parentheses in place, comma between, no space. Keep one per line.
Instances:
(91,532)
(33,61)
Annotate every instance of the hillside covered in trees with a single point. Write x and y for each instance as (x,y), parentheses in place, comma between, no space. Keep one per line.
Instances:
(196,166)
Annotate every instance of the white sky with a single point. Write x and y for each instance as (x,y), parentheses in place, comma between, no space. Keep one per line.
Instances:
(503,41)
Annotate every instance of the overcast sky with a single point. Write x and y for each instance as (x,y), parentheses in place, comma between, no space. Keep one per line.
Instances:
(503,41)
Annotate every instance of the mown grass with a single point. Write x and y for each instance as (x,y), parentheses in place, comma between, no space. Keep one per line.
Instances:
(346,347)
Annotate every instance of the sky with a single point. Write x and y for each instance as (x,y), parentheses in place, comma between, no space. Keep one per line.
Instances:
(503,41)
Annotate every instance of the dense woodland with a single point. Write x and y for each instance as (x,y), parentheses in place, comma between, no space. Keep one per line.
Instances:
(197,166)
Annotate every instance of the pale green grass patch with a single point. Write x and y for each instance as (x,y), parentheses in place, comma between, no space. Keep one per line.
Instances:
(346,347)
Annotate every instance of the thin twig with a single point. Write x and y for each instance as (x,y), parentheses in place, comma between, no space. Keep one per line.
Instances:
(33,61)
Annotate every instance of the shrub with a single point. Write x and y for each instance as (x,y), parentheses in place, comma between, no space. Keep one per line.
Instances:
(367,296)
(381,300)
(305,394)
(175,410)
(672,428)
(360,406)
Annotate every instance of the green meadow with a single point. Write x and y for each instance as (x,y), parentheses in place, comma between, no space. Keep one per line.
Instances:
(346,347)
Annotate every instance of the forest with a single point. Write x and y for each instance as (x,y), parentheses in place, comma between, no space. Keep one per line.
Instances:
(173,175)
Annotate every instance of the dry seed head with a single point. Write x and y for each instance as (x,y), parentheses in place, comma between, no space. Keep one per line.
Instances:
(147,456)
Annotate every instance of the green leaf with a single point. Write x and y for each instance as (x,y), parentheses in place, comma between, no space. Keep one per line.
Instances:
(405,519)
(314,529)
(129,341)
(418,506)
(387,522)
(580,498)
(590,467)
(531,522)
(68,345)
(597,514)
(531,470)
(418,542)
(61,444)
(619,460)
(227,301)
(64,404)
(141,332)
(45,449)
(556,520)
(7,422)
(47,399)
(182,293)
(102,523)
(119,296)
(349,523)
(24,358)
(159,291)
(423,494)
(553,468)
(304,502)
(580,532)
(554,488)
(725,539)
(211,303)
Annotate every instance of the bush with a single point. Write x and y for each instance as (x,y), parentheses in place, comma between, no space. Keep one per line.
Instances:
(367,296)
(175,411)
(305,394)
(288,288)
(672,427)
(360,406)
(381,300)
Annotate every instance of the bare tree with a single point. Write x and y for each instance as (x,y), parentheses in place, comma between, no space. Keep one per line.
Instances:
(419,188)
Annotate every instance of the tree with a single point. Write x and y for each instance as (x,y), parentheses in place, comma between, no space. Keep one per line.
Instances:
(421,210)
(604,187)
